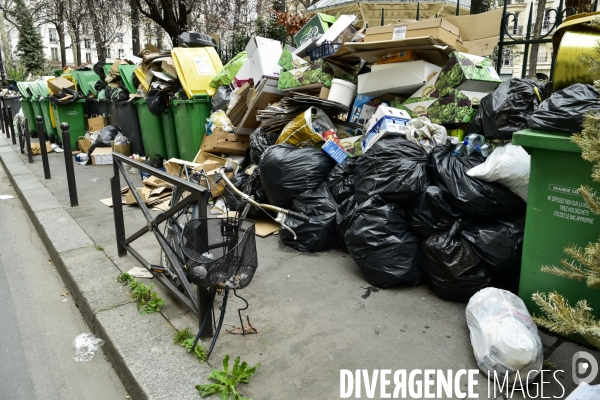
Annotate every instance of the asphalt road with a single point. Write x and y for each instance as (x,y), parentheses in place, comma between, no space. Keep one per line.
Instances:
(39,321)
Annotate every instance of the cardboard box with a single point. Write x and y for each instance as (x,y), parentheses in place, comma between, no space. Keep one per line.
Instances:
(379,33)
(124,149)
(439,28)
(479,32)
(264,62)
(84,145)
(459,107)
(335,151)
(401,78)
(220,142)
(258,42)
(426,92)
(337,28)
(168,67)
(321,72)
(244,74)
(102,156)
(398,56)
(317,25)
(211,165)
(467,72)
(385,120)
(266,93)
(289,61)
(57,84)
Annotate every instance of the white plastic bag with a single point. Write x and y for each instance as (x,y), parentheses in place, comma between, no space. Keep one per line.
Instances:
(425,133)
(509,166)
(86,345)
(221,120)
(503,336)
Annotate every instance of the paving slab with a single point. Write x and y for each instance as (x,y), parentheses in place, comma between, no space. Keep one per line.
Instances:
(28,182)
(63,232)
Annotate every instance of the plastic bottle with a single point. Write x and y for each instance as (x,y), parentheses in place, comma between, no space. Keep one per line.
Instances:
(460,150)
(472,140)
(486,149)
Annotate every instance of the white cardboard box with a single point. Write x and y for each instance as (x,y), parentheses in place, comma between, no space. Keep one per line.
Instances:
(258,42)
(403,78)
(264,62)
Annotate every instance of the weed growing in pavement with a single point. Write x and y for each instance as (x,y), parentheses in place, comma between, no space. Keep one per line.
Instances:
(184,338)
(147,299)
(226,381)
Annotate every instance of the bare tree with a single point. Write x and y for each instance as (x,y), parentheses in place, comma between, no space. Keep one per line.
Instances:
(537,30)
(135,27)
(106,18)
(53,12)
(76,14)
(171,15)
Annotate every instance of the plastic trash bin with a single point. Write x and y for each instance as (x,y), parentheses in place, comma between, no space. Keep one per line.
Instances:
(556,216)
(73,115)
(27,106)
(124,115)
(95,107)
(83,79)
(196,68)
(126,71)
(40,91)
(15,104)
(168,125)
(151,128)
(190,124)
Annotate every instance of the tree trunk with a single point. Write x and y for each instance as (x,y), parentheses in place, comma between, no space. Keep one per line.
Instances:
(5,46)
(77,52)
(479,6)
(100,49)
(537,30)
(135,27)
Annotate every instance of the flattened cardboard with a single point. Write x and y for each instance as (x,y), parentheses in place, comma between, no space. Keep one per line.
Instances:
(220,142)
(168,67)
(479,32)
(57,84)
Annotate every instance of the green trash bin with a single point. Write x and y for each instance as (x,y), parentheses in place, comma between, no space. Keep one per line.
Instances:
(41,105)
(190,124)
(27,106)
(557,216)
(168,125)
(83,79)
(151,129)
(73,115)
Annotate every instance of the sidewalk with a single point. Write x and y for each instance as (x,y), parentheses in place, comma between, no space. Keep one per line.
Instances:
(315,313)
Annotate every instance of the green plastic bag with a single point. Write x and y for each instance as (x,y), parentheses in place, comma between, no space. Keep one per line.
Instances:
(229,71)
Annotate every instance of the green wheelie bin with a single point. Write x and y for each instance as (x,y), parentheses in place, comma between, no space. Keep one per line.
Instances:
(40,91)
(168,125)
(190,124)
(73,115)
(84,79)
(151,128)
(27,107)
(557,216)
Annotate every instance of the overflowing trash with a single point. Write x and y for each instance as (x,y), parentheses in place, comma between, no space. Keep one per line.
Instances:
(86,345)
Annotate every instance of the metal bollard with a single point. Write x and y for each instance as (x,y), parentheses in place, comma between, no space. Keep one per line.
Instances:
(28,142)
(21,139)
(2,118)
(66,139)
(42,137)
(11,126)
(8,121)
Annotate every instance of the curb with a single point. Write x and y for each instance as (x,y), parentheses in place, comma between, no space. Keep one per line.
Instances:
(139,347)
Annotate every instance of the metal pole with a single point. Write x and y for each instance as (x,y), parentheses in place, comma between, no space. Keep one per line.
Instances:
(8,111)
(458,7)
(382,20)
(12,127)
(2,122)
(69,164)
(203,294)
(42,137)
(115,188)
(418,10)
(2,75)
(28,142)
(527,37)
(501,41)
(21,139)
(595,6)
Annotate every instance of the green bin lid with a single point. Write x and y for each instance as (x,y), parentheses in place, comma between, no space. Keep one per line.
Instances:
(83,79)
(23,86)
(545,140)
(126,71)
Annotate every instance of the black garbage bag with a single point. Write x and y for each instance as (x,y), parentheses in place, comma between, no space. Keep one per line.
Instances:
(220,100)
(431,213)
(505,111)
(59,98)
(564,110)
(259,142)
(239,181)
(393,168)
(117,94)
(343,218)
(472,197)
(156,101)
(453,270)
(99,70)
(286,171)
(379,241)
(499,244)
(319,233)
(341,180)
(105,137)
(99,85)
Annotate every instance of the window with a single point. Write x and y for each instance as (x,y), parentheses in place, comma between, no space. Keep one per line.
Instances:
(507,62)
(546,23)
(88,57)
(86,43)
(52,35)
(120,38)
(121,54)
(54,52)
(108,55)
(40,31)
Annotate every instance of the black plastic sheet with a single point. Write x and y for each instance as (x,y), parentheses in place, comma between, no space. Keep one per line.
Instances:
(499,244)
(431,213)
(344,216)
(379,241)
(156,102)
(286,171)
(472,197)
(341,180)
(259,143)
(565,110)
(104,138)
(220,100)
(454,272)
(319,233)
(393,168)
(505,111)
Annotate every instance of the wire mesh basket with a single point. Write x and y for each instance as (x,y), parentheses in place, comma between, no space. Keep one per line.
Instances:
(324,50)
(220,252)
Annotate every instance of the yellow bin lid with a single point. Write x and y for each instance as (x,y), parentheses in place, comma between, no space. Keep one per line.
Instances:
(196,67)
